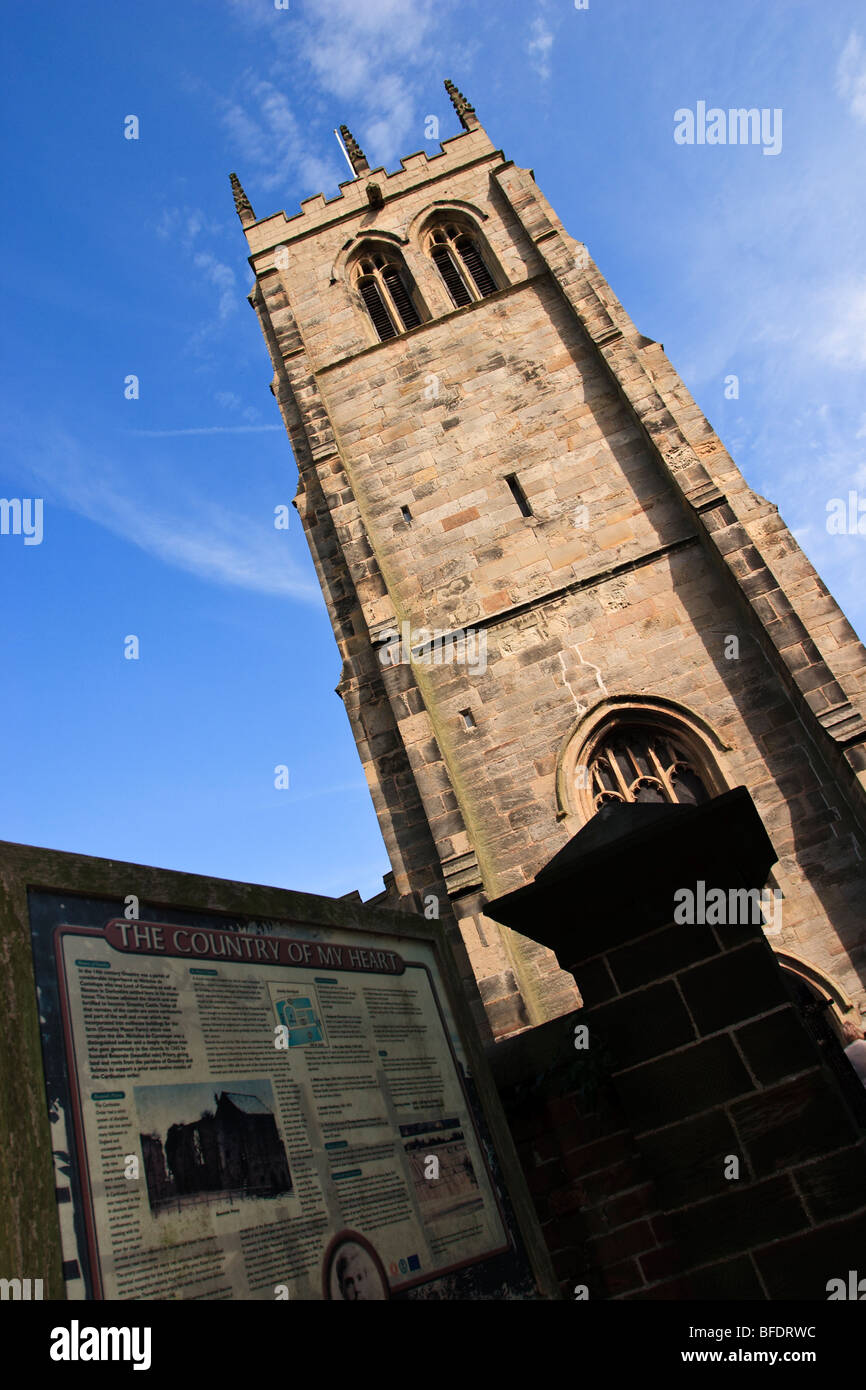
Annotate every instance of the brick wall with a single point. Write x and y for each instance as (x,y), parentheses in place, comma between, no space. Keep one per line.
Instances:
(696,1053)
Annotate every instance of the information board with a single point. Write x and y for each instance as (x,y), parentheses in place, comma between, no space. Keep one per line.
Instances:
(262,1111)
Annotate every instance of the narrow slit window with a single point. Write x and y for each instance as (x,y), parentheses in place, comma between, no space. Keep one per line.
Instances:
(519,495)
(407,515)
(468,719)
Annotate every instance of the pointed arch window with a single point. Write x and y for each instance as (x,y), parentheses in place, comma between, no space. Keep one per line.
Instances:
(634,763)
(383,284)
(462,262)
(638,749)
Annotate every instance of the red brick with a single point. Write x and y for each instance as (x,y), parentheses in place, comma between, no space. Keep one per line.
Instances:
(662,1229)
(585,1129)
(633,1205)
(566,1231)
(526,1122)
(590,1157)
(566,1266)
(675,1291)
(545,1178)
(562,1112)
(544,1148)
(570,1134)
(567,1199)
(621,1278)
(628,1240)
(597,1223)
(612,1181)
(661,1264)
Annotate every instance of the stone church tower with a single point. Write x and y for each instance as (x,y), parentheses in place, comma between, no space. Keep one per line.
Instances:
(550,585)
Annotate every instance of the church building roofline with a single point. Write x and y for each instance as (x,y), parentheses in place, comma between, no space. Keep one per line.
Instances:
(278,228)
(473,141)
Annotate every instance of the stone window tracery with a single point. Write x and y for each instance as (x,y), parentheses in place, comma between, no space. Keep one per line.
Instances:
(462,263)
(382,282)
(640,764)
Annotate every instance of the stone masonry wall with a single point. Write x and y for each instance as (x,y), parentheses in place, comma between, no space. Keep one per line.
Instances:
(633,597)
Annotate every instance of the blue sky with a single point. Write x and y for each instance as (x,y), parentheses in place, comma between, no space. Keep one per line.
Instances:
(125,257)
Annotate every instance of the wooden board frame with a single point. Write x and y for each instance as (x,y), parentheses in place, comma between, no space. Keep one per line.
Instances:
(29,1227)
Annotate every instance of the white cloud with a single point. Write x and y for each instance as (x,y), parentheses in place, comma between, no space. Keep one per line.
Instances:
(180,224)
(230,400)
(360,50)
(539,47)
(375,54)
(222,276)
(851,76)
(215,542)
(394,129)
(270,141)
(843,340)
(187,227)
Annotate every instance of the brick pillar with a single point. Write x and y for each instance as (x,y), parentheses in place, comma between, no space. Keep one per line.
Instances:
(698,1065)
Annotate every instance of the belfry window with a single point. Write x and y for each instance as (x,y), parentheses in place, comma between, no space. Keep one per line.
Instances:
(383,286)
(634,763)
(458,256)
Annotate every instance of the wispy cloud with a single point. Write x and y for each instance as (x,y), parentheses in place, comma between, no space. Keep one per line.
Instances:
(209,429)
(851,76)
(359,50)
(181,224)
(373,54)
(218,543)
(230,400)
(843,341)
(223,277)
(539,47)
(188,228)
(270,142)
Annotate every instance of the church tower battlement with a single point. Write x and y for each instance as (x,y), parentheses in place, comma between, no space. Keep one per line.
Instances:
(550,585)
